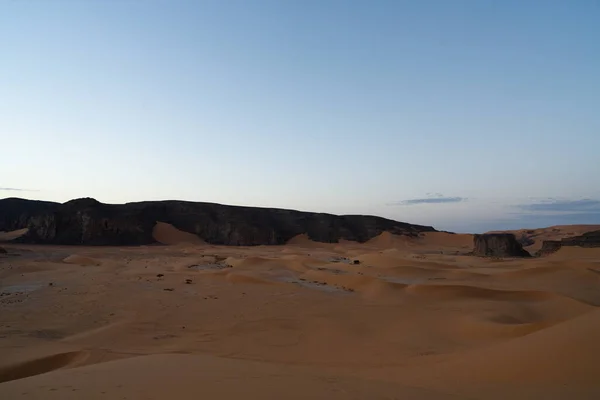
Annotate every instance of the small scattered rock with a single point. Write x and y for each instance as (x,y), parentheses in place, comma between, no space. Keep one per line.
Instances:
(169,289)
(160,275)
(50,284)
(188,281)
(356,262)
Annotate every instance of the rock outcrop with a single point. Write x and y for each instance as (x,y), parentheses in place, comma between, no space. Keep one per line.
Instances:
(498,245)
(588,239)
(87,221)
(548,247)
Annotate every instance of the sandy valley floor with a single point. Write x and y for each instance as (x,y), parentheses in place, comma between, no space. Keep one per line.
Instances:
(409,319)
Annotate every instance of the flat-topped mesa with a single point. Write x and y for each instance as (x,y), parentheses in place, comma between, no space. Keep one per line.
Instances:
(87,221)
(588,239)
(498,245)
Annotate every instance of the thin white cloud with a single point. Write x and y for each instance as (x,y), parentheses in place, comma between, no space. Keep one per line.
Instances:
(9,189)
(428,200)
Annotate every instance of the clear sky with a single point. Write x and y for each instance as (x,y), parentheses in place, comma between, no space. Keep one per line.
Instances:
(466,115)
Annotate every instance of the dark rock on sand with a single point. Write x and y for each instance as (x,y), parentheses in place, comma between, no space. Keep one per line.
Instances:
(498,245)
(588,239)
(87,221)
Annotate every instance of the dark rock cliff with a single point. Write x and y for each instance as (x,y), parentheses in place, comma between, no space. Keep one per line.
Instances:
(87,221)
(498,245)
(589,239)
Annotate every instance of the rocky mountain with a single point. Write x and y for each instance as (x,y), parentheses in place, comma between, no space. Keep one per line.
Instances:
(87,221)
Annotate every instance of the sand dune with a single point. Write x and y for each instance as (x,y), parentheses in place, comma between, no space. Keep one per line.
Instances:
(463,291)
(563,354)
(12,235)
(381,259)
(447,240)
(80,260)
(303,241)
(236,277)
(387,240)
(167,234)
(569,253)
(192,377)
(438,242)
(397,317)
(41,365)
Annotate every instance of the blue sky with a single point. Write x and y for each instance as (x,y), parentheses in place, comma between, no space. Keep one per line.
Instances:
(466,115)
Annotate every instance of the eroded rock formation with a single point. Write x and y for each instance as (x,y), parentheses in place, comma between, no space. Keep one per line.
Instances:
(589,239)
(498,245)
(87,221)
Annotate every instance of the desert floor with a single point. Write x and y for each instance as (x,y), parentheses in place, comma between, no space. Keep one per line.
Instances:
(409,319)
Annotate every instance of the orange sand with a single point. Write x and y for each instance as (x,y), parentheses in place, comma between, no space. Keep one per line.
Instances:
(168,234)
(413,318)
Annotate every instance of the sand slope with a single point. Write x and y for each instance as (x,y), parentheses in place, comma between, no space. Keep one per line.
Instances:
(12,235)
(167,234)
(192,377)
(541,357)
(80,260)
(558,362)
